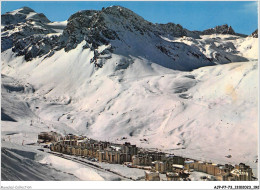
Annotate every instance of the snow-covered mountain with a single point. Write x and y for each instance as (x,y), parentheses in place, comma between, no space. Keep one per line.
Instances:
(110,74)
(118,30)
(28,33)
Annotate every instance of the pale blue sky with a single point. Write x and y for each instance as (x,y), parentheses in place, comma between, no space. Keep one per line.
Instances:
(193,15)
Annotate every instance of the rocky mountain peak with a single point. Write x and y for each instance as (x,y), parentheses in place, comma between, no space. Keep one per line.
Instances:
(255,34)
(221,29)
(122,13)
(22,15)
(25,31)
(100,27)
(25,10)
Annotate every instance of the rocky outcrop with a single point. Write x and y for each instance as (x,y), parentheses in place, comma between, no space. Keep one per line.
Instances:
(100,27)
(22,15)
(172,29)
(255,34)
(25,31)
(222,29)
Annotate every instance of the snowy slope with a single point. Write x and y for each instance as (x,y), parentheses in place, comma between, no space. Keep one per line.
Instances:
(171,109)
(27,163)
(132,80)
(225,48)
(20,165)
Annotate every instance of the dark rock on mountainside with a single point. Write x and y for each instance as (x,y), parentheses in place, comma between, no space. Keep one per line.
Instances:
(222,29)
(22,15)
(175,30)
(25,31)
(99,27)
(85,25)
(255,34)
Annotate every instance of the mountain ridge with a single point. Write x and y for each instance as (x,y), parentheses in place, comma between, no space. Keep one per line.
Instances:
(116,27)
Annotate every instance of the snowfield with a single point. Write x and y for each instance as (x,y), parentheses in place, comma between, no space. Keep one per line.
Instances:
(81,172)
(21,164)
(207,113)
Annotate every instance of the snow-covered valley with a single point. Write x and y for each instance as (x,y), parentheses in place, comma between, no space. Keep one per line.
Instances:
(192,96)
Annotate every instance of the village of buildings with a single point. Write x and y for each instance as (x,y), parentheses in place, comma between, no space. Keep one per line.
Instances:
(153,163)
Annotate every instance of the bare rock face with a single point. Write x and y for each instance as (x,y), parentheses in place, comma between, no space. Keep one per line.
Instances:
(255,34)
(22,15)
(25,32)
(78,27)
(100,27)
(175,30)
(34,46)
(223,29)
(113,23)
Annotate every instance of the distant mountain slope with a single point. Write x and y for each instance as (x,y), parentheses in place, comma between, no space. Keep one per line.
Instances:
(28,33)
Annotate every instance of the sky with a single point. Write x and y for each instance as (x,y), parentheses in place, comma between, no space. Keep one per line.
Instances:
(193,15)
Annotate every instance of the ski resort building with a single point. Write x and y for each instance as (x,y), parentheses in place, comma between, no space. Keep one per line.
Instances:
(172,176)
(175,167)
(152,176)
(44,137)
